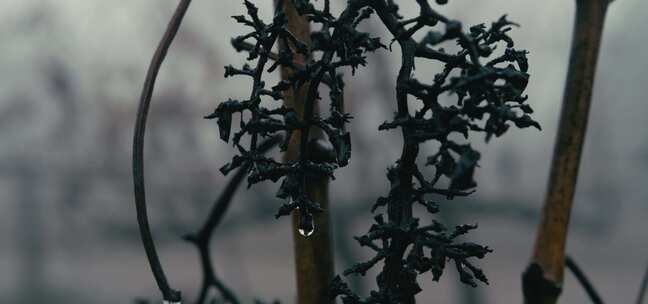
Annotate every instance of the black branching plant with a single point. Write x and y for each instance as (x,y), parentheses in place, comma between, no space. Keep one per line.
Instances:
(478,90)
(263,121)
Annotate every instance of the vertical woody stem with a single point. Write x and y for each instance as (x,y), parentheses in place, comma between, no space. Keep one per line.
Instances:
(313,255)
(542,281)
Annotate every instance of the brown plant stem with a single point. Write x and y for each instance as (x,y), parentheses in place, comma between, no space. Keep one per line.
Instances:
(542,281)
(313,254)
(168,293)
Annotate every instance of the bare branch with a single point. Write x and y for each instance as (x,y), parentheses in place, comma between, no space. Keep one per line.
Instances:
(582,279)
(203,237)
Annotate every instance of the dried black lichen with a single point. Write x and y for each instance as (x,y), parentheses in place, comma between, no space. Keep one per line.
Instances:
(486,92)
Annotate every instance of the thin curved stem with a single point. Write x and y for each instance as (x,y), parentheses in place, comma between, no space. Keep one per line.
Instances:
(583,280)
(643,287)
(168,293)
(202,238)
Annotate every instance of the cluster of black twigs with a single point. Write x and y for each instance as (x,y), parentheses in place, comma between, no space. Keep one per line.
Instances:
(493,89)
(478,90)
(488,95)
(264,121)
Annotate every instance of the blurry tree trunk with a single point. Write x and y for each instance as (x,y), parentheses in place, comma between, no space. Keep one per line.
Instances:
(542,280)
(313,254)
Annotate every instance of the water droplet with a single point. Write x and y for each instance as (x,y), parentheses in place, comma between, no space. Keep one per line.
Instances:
(306,224)
(291,201)
(306,233)
(170,302)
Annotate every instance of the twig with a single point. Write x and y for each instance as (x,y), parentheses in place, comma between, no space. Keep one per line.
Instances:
(543,279)
(202,238)
(168,293)
(582,279)
(642,288)
(398,216)
(246,46)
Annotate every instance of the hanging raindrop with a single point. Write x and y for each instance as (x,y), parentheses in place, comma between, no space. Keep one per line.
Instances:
(170,302)
(306,224)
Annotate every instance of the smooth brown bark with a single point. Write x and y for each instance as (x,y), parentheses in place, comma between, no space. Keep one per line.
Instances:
(313,254)
(543,279)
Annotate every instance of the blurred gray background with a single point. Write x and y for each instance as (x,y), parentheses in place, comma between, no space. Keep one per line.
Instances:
(70,76)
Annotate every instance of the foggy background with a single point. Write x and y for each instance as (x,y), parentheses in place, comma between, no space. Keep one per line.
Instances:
(70,76)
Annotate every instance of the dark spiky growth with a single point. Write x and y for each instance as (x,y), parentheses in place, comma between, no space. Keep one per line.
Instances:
(266,121)
(482,91)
